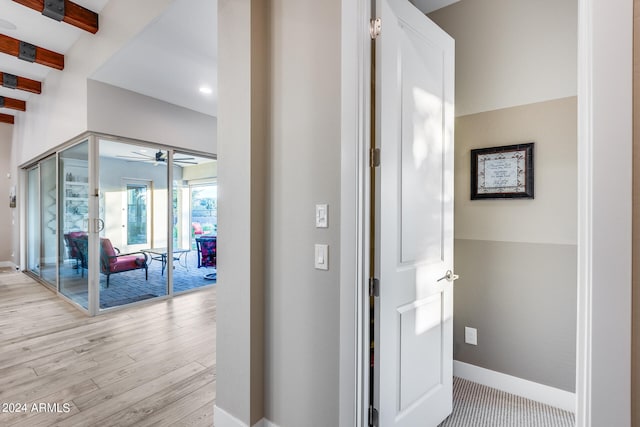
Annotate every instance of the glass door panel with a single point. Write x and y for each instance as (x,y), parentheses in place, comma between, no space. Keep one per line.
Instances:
(49,216)
(73,194)
(34,241)
(134,196)
(195,219)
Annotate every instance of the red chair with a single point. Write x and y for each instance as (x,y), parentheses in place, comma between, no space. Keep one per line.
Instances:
(112,261)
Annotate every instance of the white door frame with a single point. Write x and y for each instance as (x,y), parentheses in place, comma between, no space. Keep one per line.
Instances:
(604,216)
(354,220)
(605,58)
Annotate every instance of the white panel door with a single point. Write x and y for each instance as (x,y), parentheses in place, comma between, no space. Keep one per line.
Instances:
(414,313)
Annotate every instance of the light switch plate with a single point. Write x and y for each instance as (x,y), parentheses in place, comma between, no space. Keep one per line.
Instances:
(322,216)
(321,257)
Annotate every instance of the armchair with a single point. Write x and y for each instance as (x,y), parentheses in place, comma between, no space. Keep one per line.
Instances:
(78,248)
(112,261)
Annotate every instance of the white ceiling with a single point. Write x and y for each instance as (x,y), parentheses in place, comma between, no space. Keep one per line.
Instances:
(172,57)
(169,60)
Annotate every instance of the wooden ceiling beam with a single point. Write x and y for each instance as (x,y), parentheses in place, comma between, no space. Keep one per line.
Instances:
(11,46)
(15,104)
(74,14)
(25,84)
(6,118)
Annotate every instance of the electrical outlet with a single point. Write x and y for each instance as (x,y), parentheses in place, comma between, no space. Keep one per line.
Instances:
(470,335)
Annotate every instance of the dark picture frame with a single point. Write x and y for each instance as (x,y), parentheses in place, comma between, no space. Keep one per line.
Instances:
(504,172)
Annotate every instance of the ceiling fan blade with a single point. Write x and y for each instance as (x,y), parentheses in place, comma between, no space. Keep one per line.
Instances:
(131,157)
(142,154)
(183,158)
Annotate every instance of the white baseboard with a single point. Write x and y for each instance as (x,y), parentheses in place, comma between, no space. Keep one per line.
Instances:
(224,419)
(4,264)
(541,393)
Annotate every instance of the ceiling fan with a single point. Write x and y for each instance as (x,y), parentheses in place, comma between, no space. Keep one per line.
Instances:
(159,157)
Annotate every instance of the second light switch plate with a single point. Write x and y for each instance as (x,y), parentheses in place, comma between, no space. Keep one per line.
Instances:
(322,216)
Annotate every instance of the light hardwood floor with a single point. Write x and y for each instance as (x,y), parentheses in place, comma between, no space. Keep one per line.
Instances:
(152,365)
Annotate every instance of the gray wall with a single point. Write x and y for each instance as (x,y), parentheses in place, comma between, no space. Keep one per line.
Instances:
(242,137)
(117,111)
(302,339)
(271,174)
(517,258)
(519,296)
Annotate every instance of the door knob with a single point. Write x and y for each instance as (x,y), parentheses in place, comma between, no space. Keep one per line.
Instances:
(449,276)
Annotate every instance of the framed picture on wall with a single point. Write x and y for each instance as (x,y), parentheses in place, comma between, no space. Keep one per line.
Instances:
(502,172)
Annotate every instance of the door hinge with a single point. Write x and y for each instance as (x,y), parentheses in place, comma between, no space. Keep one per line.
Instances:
(374,157)
(373,417)
(375,26)
(374,287)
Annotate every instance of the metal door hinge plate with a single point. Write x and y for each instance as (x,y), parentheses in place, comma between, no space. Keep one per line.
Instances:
(374,157)
(375,26)
(374,287)
(373,417)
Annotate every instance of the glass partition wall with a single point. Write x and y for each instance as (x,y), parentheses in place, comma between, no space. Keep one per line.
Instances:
(73,191)
(42,220)
(49,216)
(123,222)
(195,220)
(33,221)
(134,247)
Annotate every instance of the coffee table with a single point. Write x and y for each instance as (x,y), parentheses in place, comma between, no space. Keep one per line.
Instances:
(160,254)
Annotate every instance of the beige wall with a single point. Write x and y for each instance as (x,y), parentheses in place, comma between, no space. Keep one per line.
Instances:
(511,52)
(551,216)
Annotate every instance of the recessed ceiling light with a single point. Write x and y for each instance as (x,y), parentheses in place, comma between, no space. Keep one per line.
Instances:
(206,90)
(7,25)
